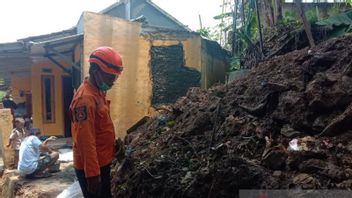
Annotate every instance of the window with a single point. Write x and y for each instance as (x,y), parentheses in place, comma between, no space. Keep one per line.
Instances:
(48,99)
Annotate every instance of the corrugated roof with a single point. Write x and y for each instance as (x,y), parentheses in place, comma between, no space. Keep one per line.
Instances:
(12,47)
(50,36)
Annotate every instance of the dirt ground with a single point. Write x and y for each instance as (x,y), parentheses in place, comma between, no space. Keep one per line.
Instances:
(45,187)
(287,125)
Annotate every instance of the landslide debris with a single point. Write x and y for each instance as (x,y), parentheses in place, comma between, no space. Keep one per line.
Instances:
(286,125)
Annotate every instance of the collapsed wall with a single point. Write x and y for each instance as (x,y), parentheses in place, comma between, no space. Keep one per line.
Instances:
(286,125)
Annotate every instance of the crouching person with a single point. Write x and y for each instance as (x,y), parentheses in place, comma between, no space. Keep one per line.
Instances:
(31,164)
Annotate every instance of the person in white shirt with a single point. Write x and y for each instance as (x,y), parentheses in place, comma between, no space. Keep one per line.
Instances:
(16,137)
(31,164)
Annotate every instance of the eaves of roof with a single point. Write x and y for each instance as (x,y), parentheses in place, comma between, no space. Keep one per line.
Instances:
(13,47)
(50,36)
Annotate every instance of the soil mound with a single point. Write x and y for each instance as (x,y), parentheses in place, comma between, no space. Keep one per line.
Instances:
(286,125)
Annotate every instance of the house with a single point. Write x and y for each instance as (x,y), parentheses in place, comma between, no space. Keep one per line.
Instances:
(162,59)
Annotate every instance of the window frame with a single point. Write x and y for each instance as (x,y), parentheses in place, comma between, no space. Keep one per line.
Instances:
(44,99)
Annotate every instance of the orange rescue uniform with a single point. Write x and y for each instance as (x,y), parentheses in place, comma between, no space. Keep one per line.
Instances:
(92,130)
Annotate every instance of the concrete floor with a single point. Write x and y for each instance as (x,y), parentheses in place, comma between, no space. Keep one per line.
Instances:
(60,142)
(1,165)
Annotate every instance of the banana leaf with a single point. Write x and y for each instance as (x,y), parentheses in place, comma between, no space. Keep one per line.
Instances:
(338,20)
(341,23)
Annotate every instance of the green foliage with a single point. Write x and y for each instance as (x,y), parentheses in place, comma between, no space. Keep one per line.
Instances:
(235,63)
(205,32)
(246,33)
(337,20)
(312,16)
(222,16)
(349,2)
(334,10)
(251,26)
(2,94)
(289,17)
(342,23)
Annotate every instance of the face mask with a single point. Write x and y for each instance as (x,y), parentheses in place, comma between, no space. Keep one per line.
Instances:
(104,87)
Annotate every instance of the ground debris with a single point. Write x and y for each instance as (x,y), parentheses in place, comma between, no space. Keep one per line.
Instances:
(238,136)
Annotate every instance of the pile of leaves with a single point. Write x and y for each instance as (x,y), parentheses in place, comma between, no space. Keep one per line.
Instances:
(286,125)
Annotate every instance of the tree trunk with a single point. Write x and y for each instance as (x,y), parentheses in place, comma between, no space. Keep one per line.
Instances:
(260,29)
(222,21)
(243,16)
(278,11)
(269,12)
(234,29)
(200,22)
(306,23)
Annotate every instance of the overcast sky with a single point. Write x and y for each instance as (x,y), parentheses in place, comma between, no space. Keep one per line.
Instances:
(24,18)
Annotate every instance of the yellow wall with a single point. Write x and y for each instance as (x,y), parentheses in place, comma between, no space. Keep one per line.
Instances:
(131,95)
(5,131)
(192,49)
(20,84)
(57,127)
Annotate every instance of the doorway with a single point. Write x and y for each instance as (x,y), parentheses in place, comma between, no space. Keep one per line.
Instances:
(67,91)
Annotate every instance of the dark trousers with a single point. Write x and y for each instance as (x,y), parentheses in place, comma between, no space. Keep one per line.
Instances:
(105,189)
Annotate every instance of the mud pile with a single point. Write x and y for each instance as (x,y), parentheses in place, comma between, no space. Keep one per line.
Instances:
(286,125)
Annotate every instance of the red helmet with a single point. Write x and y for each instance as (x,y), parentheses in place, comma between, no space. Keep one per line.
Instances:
(108,60)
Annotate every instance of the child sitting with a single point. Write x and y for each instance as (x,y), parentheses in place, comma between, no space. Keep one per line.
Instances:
(16,137)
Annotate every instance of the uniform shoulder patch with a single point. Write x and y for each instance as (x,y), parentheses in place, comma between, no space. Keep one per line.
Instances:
(80,113)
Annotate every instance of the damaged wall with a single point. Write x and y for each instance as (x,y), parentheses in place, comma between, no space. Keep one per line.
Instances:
(171,79)
(131,95)
(201,54)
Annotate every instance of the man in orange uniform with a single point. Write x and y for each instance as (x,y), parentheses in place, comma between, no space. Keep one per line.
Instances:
(92,128)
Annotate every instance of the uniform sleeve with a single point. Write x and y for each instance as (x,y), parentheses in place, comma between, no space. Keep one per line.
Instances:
(84,122)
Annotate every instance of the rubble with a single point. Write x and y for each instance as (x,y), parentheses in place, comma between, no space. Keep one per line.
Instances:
(237,136)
